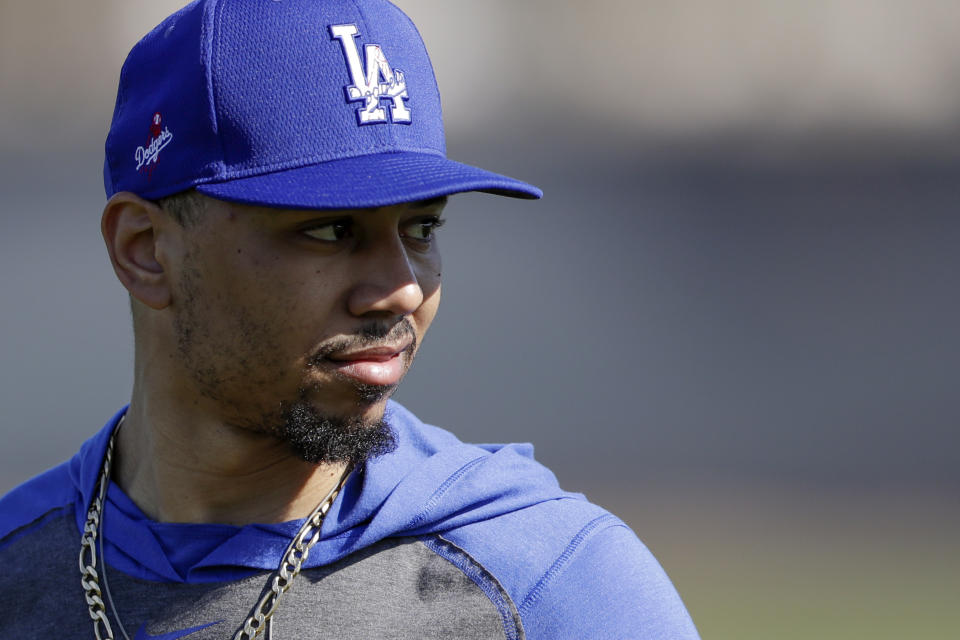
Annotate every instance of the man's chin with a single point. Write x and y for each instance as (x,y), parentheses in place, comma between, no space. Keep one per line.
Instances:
(346,399)
(373,396)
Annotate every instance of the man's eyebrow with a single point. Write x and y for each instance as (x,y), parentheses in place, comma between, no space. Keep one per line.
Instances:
(432,202)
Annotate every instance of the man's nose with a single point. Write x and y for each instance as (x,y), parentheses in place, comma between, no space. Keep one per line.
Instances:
(386,281)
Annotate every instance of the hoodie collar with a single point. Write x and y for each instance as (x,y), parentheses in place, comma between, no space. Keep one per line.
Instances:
(430,483)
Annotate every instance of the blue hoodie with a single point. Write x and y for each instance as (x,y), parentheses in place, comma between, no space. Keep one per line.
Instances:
(531,560)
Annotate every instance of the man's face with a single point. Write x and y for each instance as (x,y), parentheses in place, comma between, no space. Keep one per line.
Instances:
(282,317)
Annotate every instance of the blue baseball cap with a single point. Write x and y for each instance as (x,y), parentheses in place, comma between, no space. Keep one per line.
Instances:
(313,104)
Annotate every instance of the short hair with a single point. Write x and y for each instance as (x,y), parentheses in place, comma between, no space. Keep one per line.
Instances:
(185,207)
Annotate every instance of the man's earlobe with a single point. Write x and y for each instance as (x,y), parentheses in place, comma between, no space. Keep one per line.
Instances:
(130,230)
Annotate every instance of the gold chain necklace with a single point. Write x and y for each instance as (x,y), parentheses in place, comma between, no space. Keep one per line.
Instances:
(259,618)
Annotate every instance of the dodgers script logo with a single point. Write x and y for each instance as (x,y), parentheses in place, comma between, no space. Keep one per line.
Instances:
(366,82)
(159,138)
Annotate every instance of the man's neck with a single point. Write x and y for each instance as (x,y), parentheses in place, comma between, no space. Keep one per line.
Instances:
(195,468)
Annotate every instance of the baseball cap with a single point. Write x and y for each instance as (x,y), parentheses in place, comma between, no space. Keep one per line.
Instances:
(315,104)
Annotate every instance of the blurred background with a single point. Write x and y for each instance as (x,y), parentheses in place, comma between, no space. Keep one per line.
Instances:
(733,320)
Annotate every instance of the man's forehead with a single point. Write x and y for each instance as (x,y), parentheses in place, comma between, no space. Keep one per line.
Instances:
(438,202)
(430,203)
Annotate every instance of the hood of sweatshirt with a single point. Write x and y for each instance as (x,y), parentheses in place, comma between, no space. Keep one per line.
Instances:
(429,484)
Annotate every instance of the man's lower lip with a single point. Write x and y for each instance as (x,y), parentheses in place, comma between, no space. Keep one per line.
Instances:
(374,372)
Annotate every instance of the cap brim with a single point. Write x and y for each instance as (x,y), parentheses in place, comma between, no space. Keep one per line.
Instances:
(363,182)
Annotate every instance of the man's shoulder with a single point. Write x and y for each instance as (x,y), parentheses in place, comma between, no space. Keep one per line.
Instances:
(39,546)
(567,555)
(32,503)
(521,547)
(58,489)
(493,502)
(568,567)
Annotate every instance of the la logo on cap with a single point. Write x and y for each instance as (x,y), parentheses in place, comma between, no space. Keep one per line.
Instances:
(367,85)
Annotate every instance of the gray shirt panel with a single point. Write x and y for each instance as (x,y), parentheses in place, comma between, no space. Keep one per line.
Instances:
(396,589)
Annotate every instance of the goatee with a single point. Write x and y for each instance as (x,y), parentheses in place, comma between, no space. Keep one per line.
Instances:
(318,438)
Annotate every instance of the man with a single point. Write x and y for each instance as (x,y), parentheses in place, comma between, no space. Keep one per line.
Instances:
(276,173)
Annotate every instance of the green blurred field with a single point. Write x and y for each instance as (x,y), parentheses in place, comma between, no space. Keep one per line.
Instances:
(785,564)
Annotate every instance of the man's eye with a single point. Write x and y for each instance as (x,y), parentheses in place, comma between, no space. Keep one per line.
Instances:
(331,232)
(422,229)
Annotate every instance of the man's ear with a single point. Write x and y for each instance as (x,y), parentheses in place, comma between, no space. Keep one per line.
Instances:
(130,227)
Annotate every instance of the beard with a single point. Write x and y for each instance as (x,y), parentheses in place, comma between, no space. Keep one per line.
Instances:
(320,439)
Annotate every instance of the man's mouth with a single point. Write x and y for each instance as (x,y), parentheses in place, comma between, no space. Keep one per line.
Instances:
(377,366)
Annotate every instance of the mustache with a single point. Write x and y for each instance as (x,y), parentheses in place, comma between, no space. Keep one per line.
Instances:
(368,336)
